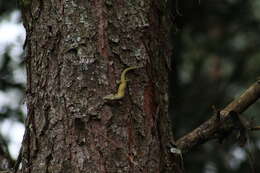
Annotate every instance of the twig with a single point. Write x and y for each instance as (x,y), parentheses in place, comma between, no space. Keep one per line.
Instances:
(211,127)
(255,128)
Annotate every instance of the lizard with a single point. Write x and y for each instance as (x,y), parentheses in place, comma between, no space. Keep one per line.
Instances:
(122,86)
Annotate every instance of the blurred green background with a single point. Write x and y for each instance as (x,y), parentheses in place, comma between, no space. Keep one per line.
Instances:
(216,57)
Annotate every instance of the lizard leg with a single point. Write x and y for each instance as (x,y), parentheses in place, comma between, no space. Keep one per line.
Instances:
(127,80)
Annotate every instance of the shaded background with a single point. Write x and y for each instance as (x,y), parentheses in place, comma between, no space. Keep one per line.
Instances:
(216,57)
(12,79)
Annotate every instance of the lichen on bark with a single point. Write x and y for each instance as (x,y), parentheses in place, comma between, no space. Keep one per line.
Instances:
(76,51)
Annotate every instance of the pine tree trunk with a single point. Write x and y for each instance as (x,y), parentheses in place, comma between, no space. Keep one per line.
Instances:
(76,51)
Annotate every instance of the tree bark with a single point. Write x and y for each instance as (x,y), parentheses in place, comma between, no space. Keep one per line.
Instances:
(76,51)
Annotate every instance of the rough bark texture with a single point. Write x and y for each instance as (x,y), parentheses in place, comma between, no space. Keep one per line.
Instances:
(76,50)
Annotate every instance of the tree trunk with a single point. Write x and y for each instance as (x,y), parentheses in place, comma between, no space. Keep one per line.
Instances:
(76,51)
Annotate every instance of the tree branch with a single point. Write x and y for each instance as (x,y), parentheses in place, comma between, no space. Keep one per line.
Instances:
(212,127)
